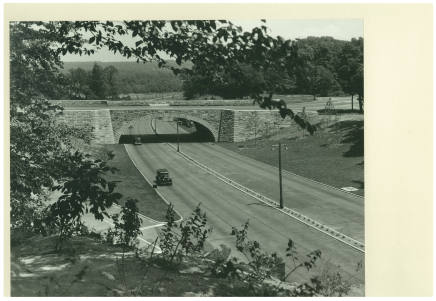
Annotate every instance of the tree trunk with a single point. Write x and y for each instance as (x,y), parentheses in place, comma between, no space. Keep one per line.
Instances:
(352,102)
(360,103)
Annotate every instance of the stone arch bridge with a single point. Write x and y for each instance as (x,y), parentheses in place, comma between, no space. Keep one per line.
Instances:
(224,125)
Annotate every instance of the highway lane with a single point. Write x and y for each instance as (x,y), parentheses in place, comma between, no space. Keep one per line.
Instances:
(340,210)
(337,209)
(226,207)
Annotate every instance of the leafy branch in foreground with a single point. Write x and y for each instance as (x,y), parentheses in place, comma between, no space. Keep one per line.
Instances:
(264,265)
(284,111)
(84,190)
(127,225)
(308,262)
(185,240)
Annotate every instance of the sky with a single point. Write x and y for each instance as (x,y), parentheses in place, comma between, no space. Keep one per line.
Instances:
(342,29)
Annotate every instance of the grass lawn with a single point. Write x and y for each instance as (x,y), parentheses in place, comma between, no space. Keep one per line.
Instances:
(333,155)
(131,184)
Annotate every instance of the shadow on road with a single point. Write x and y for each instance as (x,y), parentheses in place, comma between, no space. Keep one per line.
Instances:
(360,183)
(162,138)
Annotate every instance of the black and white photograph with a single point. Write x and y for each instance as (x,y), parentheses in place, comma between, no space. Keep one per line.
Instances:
(187,158)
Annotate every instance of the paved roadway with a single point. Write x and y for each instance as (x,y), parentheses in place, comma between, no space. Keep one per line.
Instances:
(227,206)
(337,209)
(341,211)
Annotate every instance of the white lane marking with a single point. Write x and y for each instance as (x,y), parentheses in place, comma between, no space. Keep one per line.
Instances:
(152,226)
(144,217)
(158,249)
(273,204)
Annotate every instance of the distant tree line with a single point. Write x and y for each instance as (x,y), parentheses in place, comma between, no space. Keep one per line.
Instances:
(320,66)
(99,83)
(110,80)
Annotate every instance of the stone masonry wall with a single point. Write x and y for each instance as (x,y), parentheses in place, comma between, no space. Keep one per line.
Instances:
(97,121)
(226,131)
(249,124)
(226,125)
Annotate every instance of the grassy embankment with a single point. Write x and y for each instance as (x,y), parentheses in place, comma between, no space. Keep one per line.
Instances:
(333,155)
(131,184)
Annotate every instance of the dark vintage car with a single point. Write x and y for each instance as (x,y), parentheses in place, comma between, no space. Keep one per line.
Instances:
(163,177)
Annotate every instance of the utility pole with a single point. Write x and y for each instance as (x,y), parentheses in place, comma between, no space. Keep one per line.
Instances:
(280,171)
(130,132)
(178,136)
(280,175)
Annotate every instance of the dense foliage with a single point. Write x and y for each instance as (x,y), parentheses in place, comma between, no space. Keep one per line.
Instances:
(43,157)
(120,78)
(318,66)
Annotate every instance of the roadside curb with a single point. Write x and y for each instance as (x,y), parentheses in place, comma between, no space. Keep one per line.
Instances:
(157,191)
(273,204)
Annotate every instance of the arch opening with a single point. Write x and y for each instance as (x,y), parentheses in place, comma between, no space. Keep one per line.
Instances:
(154,130)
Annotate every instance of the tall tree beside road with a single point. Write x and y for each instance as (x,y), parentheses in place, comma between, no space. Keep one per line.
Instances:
(350,69)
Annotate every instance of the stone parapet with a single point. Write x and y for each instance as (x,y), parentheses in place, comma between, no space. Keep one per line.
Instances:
(226,125)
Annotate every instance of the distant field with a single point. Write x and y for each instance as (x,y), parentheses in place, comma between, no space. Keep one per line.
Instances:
(334,155)
(132,185)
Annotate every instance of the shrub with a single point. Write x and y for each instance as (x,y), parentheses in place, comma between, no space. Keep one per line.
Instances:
(187,239)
